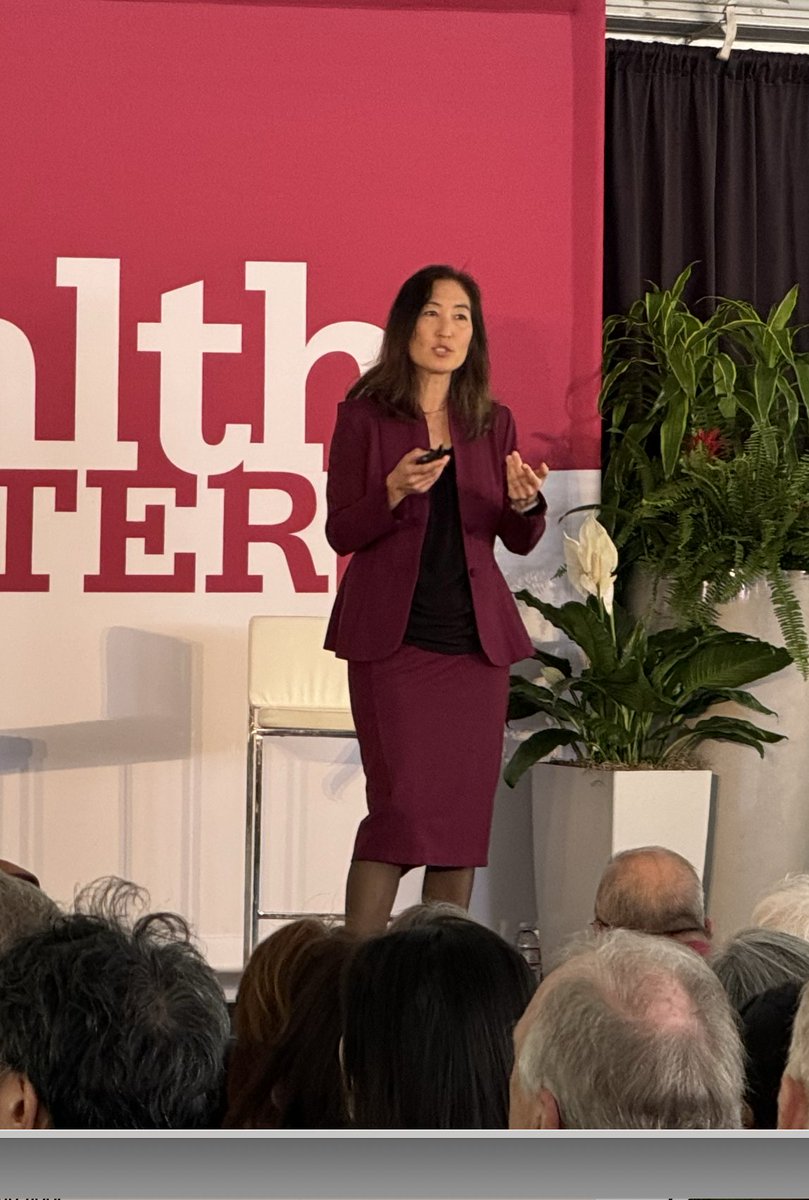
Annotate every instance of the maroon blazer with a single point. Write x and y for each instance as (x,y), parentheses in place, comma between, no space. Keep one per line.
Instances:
(372,607)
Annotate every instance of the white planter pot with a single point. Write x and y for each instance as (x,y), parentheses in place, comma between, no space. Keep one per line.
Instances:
(582,816)
(762,815)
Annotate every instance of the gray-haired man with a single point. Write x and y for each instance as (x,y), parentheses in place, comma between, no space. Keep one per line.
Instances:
(630,1032)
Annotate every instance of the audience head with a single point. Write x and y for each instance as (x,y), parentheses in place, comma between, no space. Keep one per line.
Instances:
(24,909)
(12,868)
(793,1098)
(428,1016)
(756,960)
(785,907)
(766,1031)
(629,1032)
(264,999)
(110,1025)
(284,1071)
(653,890)
(427,912)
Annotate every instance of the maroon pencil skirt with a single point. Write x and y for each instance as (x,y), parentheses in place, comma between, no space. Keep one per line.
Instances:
(430,730)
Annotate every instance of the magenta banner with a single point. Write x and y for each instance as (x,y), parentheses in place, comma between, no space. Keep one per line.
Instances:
(207,209)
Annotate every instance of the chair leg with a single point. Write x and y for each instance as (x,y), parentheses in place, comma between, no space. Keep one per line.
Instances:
(257,847)
(252,849)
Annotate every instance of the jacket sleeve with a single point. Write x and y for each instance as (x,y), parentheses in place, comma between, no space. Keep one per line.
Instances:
(519,532)
(358,512)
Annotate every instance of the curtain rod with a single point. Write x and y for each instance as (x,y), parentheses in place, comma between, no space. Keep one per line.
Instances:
(688,28)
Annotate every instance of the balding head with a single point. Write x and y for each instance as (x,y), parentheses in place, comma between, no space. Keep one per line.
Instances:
(653,890)
(630,1032)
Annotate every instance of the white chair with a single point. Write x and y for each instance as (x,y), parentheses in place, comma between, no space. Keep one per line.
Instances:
(295,689)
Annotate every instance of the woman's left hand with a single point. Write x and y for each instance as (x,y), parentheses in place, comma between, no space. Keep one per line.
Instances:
(524,484)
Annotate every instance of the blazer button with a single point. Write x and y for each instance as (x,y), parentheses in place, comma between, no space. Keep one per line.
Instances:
(471,572)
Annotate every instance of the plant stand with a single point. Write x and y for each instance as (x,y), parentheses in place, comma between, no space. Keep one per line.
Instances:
(582,816)
(762,814)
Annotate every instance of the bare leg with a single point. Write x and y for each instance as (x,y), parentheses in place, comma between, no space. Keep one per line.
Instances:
(370,893)
(449,883)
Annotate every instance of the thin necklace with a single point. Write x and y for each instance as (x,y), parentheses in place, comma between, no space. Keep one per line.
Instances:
(428,412)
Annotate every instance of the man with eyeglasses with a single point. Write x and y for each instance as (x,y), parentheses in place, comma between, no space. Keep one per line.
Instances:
(653,890)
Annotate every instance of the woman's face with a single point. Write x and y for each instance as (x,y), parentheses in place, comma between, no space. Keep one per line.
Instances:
(440,340)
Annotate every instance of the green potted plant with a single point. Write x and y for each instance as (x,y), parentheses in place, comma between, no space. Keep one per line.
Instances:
(641,699)
(706,481)
(632,718)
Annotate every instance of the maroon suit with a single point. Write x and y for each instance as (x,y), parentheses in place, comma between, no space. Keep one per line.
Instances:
(373,603)
(430,725)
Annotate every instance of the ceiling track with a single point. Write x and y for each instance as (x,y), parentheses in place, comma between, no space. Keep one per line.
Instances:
(766,22)
(629,26)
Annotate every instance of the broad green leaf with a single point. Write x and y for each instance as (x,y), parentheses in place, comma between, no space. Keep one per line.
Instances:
(582,625)
(729,662)
(636,694)
(747,401)
(727,407)
(724,375)
(788,392)
(705,698)
(676,639)
(654,303)
(682,364)
(610,380)
(780,314)
(672,432)
(678,287)
(730,729)
(523,694)
(519,708)
(538,746)
(764,380)
(802,376)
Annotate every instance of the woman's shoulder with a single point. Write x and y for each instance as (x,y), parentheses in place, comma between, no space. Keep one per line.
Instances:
(367,407)
(501,419)
(501,414)
(363,404)
(356,411)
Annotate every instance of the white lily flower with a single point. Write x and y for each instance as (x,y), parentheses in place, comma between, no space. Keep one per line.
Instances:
(550,676)
(592,561)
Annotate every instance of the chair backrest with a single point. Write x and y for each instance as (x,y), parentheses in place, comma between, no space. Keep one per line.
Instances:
(292,681)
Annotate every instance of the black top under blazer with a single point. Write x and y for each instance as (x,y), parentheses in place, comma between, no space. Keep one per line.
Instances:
(372,607)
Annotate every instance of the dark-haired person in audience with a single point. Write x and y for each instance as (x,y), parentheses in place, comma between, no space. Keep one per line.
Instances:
(284,1072)
(755,960)
(24,909)
(793,1098)
(264,1000)
(428,1014)
(653,890)
(104,1025)
(630,1032)
(766,1031)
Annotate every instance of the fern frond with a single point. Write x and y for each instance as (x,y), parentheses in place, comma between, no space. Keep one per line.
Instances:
(790,619)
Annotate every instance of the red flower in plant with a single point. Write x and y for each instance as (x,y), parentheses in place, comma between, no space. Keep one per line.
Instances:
(710,440)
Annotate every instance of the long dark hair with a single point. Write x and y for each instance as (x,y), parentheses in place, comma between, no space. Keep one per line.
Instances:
(284,1071)
(428,1018)
(391,382)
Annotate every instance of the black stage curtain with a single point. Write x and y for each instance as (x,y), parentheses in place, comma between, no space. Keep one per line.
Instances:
(708,161)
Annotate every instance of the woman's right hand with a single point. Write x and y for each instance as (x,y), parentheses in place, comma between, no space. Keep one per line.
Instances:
(409,476)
